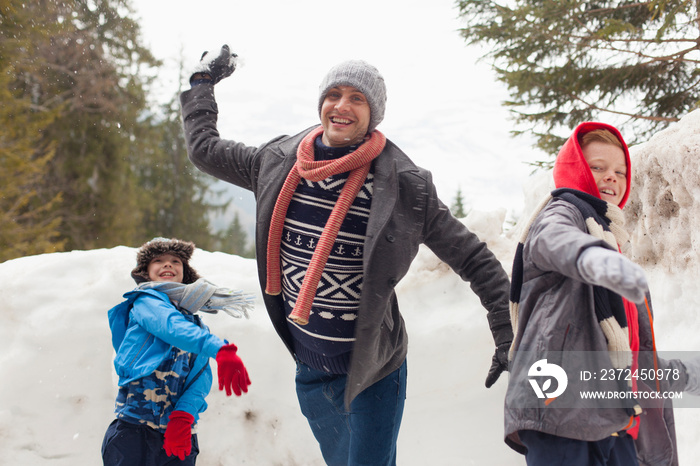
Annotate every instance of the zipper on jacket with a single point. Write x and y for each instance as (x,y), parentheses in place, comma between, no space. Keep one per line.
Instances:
(566,333)
(139,351)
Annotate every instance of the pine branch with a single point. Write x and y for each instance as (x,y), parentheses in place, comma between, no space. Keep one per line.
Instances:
(637,116)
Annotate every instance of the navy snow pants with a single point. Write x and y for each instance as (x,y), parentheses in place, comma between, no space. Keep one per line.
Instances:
(127,444)
(551,450)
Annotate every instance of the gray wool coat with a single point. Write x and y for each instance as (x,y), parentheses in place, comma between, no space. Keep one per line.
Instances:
(557,314)
(405,212)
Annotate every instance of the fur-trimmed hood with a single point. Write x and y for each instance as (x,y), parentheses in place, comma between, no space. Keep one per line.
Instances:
(159,246)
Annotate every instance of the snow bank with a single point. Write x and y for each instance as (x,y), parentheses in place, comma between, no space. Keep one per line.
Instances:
(662,209)
(58,388)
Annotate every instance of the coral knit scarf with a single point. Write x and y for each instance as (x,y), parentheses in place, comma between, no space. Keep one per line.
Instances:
(358,164)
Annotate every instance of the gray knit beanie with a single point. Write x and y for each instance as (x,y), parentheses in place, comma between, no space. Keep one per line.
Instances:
(159,246)
(365,78)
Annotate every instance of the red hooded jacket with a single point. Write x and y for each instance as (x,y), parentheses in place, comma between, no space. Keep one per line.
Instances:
(571,169)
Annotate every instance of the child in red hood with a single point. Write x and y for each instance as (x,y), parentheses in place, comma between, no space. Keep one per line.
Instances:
(573,293)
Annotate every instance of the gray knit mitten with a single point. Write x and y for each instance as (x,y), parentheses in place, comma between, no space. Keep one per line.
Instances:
(692,368)
(609,269)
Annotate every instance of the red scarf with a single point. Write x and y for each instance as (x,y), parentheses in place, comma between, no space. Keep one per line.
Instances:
(358,164)
(633,326)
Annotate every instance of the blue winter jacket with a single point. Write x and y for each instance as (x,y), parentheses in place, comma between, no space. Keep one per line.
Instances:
(145,327)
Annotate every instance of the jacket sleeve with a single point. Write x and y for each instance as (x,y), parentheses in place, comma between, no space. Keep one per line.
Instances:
(228,160)
(468,256)
(165,322)
(193,399)
(557,238)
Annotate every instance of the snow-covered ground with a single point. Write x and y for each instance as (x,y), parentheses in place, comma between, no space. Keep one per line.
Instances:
(58,387)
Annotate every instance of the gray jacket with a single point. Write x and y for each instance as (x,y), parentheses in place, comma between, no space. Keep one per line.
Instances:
(405,212)
(556,314)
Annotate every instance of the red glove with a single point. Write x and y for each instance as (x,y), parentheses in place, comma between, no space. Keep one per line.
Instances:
(232,373)
(178,434)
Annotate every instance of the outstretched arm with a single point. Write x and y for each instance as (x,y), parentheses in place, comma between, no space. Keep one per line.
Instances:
(471,259)
(228,160)
(610,269)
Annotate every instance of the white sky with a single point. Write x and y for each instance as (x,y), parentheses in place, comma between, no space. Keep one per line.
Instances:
(444,110)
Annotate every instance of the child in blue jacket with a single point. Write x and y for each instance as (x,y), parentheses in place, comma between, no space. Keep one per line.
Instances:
(162,357)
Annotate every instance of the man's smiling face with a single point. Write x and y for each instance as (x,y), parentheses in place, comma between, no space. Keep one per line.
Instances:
(345,115)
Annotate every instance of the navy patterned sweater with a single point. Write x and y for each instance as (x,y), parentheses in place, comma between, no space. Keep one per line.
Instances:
(325,343)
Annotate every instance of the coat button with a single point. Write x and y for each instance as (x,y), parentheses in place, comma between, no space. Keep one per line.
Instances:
(390,238)
(393,282)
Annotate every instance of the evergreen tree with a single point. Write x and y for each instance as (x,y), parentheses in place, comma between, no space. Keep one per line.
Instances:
(82,77)
(95,70)
(234,240)
(457,208)
(177,199)
(84,160)
(27,224)
(570,61)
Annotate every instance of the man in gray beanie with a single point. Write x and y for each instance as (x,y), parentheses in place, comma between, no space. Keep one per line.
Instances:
(363,77)
(341,212)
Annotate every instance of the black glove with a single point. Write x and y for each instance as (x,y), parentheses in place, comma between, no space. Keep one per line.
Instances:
(499,322)
(216,67)
(499,363)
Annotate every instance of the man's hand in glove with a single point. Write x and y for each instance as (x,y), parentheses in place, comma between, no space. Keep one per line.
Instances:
(499,323)
(215,67)
(499,363)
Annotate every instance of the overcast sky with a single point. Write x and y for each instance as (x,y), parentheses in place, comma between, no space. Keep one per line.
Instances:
(443,109)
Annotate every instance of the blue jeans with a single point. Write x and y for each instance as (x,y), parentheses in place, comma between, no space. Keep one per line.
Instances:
(551,450)
(367,434)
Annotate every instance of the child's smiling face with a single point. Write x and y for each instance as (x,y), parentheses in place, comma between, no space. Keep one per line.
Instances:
(166,268)
(609,168)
